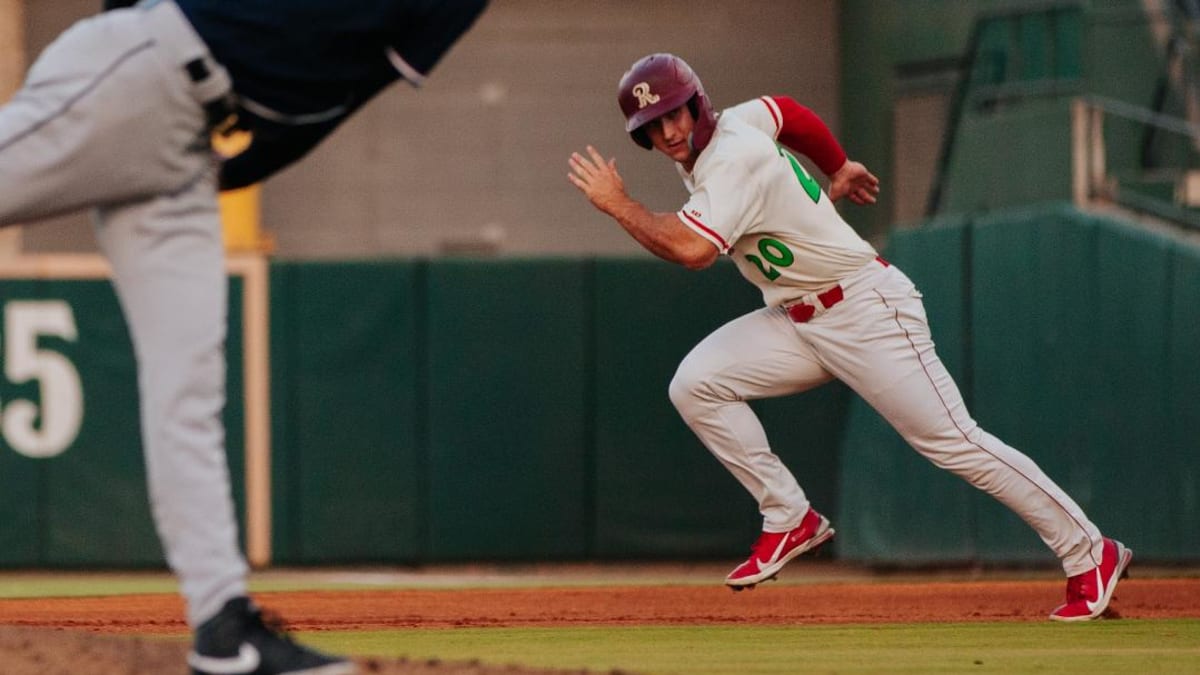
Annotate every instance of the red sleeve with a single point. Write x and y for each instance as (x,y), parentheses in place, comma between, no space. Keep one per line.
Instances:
(802,131)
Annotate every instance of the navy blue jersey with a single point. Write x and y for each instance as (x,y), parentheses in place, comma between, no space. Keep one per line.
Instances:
(304,57)
(301,67)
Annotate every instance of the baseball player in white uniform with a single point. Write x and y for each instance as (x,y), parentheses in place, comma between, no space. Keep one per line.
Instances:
(834,309)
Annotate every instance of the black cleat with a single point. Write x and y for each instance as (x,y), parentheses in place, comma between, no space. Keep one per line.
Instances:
(237,642)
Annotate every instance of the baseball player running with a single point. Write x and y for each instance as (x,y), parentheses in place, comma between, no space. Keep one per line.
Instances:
(834,309)
(117,114)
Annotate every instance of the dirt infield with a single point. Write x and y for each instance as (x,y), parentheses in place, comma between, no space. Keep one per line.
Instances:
(27,646)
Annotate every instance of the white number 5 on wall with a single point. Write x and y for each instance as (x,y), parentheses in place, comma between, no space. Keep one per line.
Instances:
(61,410)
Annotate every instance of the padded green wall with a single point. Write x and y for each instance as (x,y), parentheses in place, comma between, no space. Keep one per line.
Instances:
(517,409)
(104,466)
(1033,306)
(1131,334)
(347,460)
(507,387)
(512,410)
(658,490)
(88,506)
(1081,335)
(896,507)
(1181,521)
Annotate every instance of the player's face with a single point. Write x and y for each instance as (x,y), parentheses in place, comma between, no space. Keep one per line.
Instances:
(669,134)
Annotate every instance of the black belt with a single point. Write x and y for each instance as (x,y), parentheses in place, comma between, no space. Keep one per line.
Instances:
(219,111)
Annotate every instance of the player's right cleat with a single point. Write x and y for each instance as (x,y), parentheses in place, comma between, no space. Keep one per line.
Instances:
(773,550)
(1088,594)
(237,642)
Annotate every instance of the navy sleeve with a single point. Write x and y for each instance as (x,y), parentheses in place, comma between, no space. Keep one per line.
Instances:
(423,43)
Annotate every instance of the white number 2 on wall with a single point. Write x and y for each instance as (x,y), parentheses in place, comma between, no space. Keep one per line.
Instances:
(61,410)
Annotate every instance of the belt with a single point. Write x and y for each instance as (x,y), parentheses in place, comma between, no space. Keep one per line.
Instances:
(180,43)
(803,312)
(220,110)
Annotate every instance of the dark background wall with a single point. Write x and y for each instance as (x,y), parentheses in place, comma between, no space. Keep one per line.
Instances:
(901,64)
(481,150)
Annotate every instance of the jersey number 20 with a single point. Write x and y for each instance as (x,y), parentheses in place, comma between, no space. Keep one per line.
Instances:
(773,250)
(775,253)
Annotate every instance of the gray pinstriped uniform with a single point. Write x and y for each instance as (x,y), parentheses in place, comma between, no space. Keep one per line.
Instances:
(125,131)
(117,114)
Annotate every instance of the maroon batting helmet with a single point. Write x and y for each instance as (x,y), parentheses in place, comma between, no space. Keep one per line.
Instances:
(654,86)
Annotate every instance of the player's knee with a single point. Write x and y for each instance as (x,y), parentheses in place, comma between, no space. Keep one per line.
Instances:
(681,390)
(691,388)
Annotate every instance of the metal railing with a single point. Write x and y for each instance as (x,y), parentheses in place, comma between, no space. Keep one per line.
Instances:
(1168,188)
(991,73)
(1145,159)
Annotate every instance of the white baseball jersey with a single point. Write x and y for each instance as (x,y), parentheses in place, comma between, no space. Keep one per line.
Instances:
(755,202)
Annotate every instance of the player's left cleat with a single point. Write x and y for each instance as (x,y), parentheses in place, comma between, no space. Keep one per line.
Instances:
(773,550)
(238,642)
(1088,594)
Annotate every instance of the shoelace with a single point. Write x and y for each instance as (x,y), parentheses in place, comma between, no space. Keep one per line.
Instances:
(761,548)
(1079,588)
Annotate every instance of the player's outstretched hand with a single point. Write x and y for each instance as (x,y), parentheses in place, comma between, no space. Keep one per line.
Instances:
(854,181)
(597,179)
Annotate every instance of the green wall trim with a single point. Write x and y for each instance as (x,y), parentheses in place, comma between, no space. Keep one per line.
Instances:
(1081,354)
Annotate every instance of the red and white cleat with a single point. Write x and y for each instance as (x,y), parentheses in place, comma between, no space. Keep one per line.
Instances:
(773,550)
(1088,594)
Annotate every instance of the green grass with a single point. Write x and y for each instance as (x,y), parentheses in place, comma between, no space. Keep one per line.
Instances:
(1126,646)
(63,585)
(39,585)
(69,584)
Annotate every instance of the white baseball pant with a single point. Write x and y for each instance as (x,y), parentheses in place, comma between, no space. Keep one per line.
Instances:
(877,341)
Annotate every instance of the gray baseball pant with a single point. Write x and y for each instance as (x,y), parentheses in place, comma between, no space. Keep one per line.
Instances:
(110,118)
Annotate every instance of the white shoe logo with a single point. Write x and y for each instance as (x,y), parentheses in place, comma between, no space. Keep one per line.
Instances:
(1099,593)
(246,661)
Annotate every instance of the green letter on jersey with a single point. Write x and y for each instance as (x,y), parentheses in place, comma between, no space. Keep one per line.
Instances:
(806,181)
(775,253)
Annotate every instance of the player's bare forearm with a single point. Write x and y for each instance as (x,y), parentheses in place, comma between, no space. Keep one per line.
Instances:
(660,233)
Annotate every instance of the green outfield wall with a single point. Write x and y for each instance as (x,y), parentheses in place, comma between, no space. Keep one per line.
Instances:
(516,410)
(509,410)
(1076,339)
(533,422)
(72,480)
(347,411)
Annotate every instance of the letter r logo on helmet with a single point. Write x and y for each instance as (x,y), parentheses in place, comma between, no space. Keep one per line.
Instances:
(641,91)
